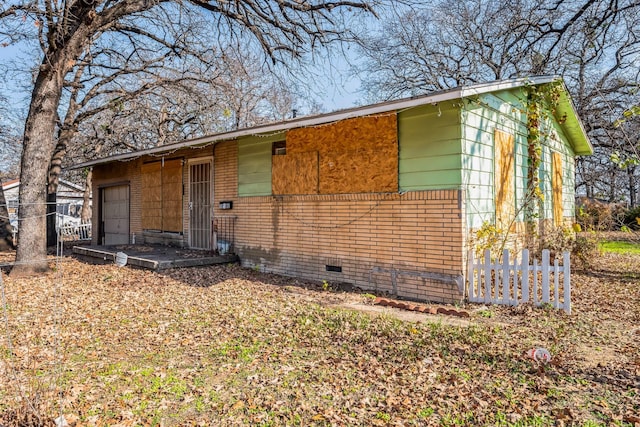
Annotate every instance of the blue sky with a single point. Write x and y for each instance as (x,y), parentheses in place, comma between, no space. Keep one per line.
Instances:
(330,83)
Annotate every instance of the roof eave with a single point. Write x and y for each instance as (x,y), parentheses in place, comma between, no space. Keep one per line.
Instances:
(571,125)
(381,108)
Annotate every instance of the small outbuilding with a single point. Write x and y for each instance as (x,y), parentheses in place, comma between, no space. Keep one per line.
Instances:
(386,196)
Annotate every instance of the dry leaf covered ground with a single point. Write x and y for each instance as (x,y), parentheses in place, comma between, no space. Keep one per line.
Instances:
(229,346)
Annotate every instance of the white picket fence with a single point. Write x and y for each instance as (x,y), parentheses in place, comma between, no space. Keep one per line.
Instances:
(512,282)
(76,231)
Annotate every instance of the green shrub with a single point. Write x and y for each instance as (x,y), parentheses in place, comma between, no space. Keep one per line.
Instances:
(632,218)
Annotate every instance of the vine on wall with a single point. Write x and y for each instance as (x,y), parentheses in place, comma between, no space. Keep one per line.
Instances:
(542,102)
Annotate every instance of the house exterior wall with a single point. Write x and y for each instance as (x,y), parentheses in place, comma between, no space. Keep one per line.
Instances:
(417,234)
(481,117)
(430,147)
(410,242)
(506,111)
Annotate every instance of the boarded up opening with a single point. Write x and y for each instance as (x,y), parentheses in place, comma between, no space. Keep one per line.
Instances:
(295,173)
(358,155)
(556,185)
(504,179)
(152,196)
(172,196)
(162,196)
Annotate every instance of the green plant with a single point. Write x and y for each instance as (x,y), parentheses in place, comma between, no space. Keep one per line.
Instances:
(488,236)
(631,218)
(383,416)
(325,285)
(486,313)
(425,412)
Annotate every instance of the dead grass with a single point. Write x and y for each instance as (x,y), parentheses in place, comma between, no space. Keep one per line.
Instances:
(231,346)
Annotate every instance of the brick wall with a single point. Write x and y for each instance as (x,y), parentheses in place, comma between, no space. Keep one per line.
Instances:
(225,166)
(417,236)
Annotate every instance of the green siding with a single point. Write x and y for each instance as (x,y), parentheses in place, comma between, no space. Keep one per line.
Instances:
(429,145)
(481,116)
(506,111)
(254,164)
(558,142)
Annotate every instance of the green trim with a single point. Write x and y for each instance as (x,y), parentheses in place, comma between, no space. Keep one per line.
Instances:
(570,123)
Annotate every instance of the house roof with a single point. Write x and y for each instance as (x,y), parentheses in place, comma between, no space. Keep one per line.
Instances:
(572,125)
(64,186)
(10,184)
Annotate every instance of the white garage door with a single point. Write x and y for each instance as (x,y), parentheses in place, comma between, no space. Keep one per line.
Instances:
(115,215)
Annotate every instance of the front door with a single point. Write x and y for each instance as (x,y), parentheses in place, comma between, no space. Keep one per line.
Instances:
(115,215)
(200,204)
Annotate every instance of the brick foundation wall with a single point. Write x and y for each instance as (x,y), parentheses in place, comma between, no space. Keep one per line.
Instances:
(416,237)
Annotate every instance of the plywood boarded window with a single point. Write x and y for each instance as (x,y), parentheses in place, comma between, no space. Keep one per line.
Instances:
(295,173)
(162,196)
(504,179)
(358,155)
(556,186)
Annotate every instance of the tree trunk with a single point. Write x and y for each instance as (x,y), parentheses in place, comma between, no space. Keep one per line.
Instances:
(85,213)
(53,179)
(631,171)
(6,230)
(52,213)
(38,148)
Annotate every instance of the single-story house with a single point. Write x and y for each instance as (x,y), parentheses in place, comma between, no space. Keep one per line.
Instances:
(384,196)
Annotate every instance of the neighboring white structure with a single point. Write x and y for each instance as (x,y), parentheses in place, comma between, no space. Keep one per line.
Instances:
(69,201)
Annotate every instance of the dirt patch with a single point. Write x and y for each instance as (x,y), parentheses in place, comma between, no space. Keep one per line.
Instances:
(405,315)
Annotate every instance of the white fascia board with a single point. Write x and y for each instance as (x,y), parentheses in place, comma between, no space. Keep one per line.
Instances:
(482,88)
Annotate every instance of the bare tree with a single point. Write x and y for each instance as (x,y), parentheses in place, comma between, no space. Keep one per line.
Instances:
(132,100)
(67,29)
(9,151)
(593,44)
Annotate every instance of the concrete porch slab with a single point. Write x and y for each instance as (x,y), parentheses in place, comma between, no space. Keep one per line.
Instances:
(151,257)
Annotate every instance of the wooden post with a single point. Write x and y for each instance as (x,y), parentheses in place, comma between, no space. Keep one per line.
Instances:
(470,276)
(556,284)
(487,276)
(545,276)
(524,267)
(505,277)
(566,261)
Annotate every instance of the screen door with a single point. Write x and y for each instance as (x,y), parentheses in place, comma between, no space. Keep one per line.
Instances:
(200,205)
